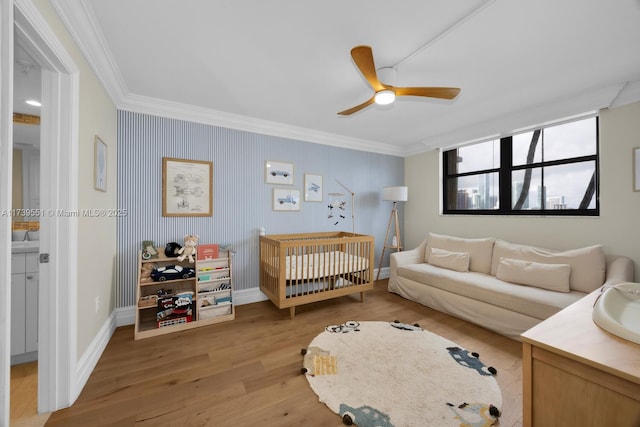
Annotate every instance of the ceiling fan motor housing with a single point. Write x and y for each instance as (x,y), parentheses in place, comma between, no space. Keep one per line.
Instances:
(387,76)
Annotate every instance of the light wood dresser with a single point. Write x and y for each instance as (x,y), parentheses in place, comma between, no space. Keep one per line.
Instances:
(577,374)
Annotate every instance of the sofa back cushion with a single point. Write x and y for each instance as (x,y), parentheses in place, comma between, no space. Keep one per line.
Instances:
(479,250)
(587,264)
(554,277)
(458,261)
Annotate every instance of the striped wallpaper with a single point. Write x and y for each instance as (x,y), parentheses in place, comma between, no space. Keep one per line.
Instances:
(242,200)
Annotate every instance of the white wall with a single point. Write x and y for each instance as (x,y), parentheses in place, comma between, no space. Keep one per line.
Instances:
(616,228)
(96,236)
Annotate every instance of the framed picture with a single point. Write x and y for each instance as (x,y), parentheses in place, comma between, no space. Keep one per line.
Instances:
(99,164)
(187,187)
(636,169)
(285,199)
(278,172)
(312,187)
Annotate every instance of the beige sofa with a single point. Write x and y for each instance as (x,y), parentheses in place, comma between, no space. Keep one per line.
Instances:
(501,286)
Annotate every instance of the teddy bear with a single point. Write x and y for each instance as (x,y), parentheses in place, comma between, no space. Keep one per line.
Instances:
(189,247)
(145,273)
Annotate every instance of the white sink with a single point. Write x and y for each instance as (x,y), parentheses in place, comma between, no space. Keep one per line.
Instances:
(617,311)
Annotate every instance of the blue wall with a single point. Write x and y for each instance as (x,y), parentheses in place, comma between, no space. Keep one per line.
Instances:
(242,200)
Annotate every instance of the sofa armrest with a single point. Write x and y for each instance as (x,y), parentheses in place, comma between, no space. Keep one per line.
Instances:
(413,256)
(619,269)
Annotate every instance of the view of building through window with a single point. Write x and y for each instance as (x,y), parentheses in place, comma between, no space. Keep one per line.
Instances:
(545,170)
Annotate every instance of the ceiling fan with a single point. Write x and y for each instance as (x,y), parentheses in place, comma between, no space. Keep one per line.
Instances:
(386,94)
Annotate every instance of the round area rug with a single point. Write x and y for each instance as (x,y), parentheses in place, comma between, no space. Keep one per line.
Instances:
(394,374)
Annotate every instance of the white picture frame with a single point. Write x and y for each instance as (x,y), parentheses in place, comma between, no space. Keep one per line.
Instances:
(313,187)
(636,169)
(286,200)
(99,164)
(280,173)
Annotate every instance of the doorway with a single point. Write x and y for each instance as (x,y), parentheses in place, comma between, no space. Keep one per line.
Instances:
(57,293)
(25,231)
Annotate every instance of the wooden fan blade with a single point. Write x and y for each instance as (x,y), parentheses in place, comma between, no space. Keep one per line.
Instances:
(363,57)
(357,107)
(430,92)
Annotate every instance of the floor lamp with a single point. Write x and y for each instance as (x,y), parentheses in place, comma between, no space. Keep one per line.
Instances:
(395,195)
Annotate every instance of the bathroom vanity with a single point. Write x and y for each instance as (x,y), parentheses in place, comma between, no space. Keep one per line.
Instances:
(577,374)
(24,301)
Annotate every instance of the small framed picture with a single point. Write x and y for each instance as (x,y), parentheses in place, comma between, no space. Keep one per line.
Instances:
(278,172)
(187,187)
(99,164)
(636,169)
(285,199)
(312,187)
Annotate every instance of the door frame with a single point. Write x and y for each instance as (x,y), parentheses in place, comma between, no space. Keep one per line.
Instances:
(57,313)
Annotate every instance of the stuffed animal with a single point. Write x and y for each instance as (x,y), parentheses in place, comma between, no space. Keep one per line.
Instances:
(145,273)
(189,248)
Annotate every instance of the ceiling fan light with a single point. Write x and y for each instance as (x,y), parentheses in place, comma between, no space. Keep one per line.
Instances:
(385,97)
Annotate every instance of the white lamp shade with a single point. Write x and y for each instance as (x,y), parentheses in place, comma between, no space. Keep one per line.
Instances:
(395,194)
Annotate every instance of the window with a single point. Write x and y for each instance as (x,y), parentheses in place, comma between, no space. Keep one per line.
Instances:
(548,171)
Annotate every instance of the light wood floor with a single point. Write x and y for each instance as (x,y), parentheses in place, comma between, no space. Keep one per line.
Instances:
(247,372)
(23,411)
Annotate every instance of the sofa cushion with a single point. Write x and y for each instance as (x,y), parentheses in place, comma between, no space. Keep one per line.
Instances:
(535,302)
(479,250)
(588,266)
(458,261)
(554,277)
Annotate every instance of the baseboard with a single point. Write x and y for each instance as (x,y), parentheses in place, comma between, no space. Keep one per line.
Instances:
(248,296)
(18,359)
(384,273)
(87,363)
(125,316)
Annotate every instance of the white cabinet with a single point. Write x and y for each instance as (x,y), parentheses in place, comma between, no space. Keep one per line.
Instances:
(24,307)
(18,309)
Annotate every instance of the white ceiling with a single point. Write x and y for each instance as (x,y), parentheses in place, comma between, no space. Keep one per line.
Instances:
(284,68)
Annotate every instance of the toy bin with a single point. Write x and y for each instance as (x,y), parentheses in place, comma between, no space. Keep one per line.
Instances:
(214,310)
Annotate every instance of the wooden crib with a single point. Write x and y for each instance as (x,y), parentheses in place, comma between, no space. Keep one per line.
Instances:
(297,269)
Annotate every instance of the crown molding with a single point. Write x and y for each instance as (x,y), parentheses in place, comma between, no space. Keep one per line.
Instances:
(80,20)
(191,113)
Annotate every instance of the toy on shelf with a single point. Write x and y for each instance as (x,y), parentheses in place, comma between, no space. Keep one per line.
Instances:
(148,250)
(172,272)
(172,249)
(145,273)
(190,248)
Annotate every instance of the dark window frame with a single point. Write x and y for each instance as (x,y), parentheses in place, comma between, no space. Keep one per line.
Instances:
(505,171)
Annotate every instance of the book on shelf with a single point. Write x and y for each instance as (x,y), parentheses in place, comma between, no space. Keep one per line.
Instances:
(174,309)
(208,251)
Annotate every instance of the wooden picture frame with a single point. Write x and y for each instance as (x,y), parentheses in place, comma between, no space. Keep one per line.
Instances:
(187,187)
(99,164)
(278,172)
(286,200)
(636,169)
(313,187)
